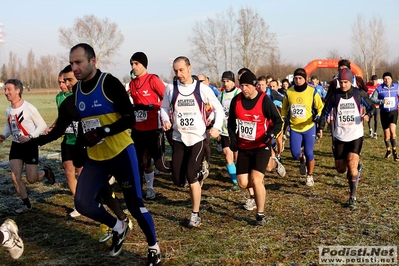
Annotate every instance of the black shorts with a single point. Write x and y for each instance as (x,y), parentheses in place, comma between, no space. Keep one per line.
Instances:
(27,152)
(388,118)
(66,152)
(341,148)
(146,144)
(186,162)
(225,141)
(255,159)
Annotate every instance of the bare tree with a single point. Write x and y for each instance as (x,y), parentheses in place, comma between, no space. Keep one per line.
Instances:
(103,35)
(368,43)
(333,54)
(3,73)
(30,70)
(49,74)
(231,40)
(12,65)
(255,41)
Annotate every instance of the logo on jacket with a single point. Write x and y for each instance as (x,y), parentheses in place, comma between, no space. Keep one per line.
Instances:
(145,93)
(82,106)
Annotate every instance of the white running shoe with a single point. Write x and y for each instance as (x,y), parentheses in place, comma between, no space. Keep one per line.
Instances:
(106,233)
(23,209)
(250,204)
(195,221)
(280,169)
(150,194)
(309,180)
(302,166)
(74,213)
(14,244)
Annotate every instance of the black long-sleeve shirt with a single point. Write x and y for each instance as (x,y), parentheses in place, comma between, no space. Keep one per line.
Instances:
(269,111)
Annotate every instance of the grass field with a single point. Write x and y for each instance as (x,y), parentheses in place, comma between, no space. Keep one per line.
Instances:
(300,218)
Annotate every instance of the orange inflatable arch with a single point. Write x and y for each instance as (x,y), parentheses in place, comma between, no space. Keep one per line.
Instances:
(329,63)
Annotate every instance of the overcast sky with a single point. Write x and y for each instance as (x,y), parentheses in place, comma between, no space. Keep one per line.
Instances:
(305,29)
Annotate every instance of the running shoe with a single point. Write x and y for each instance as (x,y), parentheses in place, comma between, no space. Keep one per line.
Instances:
(395,156)
(278,156)
(280,169)
(250,204)
(302,166)
(14,244)
(118,239)
(235,188)
(129,223)
(370,133)
(49,174)
(260,219)
(388,154)
(153,258)
(352,203)
(309,180)
(106,233)
(195,221)
(360,170)
(204,172)
(375,135)
(23,209)
(150,194)
(74,213)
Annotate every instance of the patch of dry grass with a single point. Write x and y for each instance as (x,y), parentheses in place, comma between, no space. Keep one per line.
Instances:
(300,218)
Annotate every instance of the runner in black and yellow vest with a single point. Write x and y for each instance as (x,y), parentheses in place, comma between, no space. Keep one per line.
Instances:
(106,114)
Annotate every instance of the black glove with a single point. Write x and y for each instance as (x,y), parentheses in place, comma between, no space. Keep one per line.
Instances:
(233,144)
(316,119)
(268,137)
(79,153)
(93,137)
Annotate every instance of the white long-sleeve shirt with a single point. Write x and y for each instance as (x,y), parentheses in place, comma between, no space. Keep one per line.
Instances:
(23,121)
(186,91)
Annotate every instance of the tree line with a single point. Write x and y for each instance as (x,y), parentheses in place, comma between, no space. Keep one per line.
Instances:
(226,41)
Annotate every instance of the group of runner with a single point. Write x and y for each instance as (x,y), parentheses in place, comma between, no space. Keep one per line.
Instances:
(95,115)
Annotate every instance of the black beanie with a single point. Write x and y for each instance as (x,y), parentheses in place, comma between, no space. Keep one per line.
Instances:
(387,74)
(228,75)
(300,72)
(140,57)
(248,78)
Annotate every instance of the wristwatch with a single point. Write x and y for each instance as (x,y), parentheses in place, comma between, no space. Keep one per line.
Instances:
(107,130)
(30,136)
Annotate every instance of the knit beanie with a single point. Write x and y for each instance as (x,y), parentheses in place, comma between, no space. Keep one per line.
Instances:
(344,62)
(248,78)
(345,74)
(228,75)
(387,74)
(140,57)
(300,72)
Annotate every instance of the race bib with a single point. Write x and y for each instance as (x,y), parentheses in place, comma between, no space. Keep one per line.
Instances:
(346,118)
(247,129)
(91,124)
(390,102)
(141,115)
(186,121)
(69,129)
(15,131)
(298,110)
